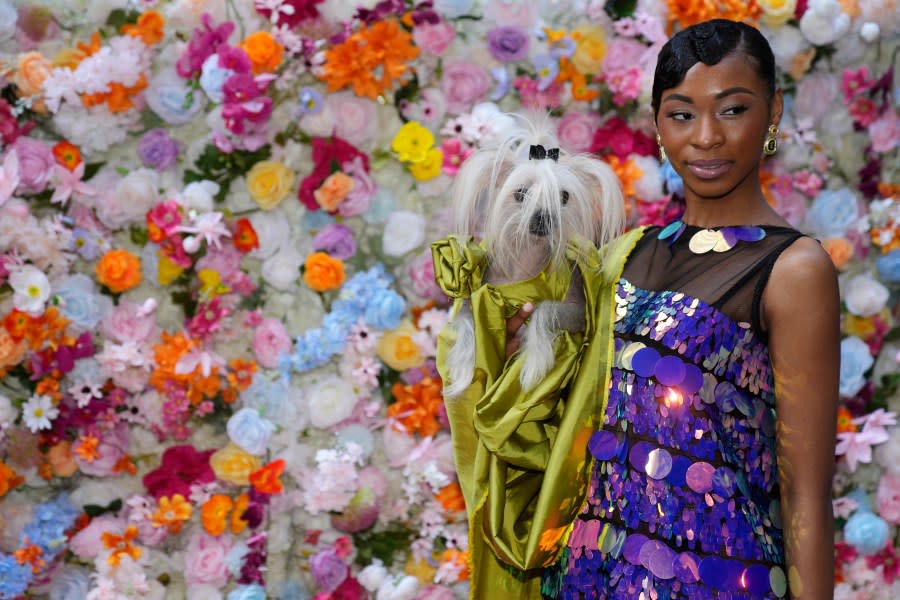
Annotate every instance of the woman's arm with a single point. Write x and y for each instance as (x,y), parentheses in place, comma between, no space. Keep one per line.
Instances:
(801,311)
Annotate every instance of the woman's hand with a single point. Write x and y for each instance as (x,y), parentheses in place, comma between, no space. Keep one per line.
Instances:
(514,327)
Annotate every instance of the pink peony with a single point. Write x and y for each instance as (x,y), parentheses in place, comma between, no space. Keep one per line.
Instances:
(576,129)
(434,39)
(204,560)
(112,447)
(464,84)
(885,132)
(888,498)
(36,164)
(355,119)
(129,322)
(88,543)
(269,341)
(421,272)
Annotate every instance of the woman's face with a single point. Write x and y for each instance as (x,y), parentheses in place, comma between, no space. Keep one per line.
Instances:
(713,125)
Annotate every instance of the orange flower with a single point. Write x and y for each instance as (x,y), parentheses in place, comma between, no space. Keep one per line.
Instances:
(845,421)
(233,464)
(333,191)
(264,51)
(121,545)
(125,465)
(460,559)
(67,154)
(627,171)
(48,386)
(17,323)
(92,47)
(690,12)
(241,375)
(87,448)
(245,238)
(48,330)
(30,554)
(9,479)
(149,28)
(238,524)
(12,351)
(322,272)
(417,406)
(451,498)
(31,71)
(371,60)
(61,460)
(840,250)
(172,513)
(214,514)
(267,479)
(119,270)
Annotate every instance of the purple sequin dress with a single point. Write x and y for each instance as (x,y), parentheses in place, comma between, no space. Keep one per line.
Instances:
(684,498)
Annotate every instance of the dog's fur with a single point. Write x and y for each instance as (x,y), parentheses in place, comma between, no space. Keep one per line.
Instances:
(514,204)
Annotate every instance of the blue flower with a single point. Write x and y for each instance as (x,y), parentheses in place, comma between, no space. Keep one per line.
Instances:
(866,531)
(171,99)
(833,212)
(889,266)
(451,9)
(310,102)
(385,309)
(856,359)
(247,592)
(80,302)
(547,69)
(234,560)
(380,207)
(504,82)
(270,398)
(672,180)
(85,243)
(294,590)
(250,431)
(315,220)
(213,78)
(14,578)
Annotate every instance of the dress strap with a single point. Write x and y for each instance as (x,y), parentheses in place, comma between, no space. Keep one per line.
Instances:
(765,270)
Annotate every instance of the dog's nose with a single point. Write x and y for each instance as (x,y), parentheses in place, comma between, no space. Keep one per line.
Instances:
(540,223)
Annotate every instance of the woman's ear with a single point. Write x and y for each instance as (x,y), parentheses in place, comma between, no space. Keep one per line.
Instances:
(777,108)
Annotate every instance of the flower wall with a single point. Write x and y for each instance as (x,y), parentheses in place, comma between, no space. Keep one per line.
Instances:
(216,289)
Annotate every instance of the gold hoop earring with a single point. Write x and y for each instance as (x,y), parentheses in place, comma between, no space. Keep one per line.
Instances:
(662,151)
(770,146)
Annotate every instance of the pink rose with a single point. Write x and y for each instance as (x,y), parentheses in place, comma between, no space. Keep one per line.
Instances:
(88,543)
(269,341)
(129,322)
(888,498)
(791,206)
(814,96)
(885,132)
(35,165)
(111,449)
(576,130)
(436,592)
(226,260)
(623,53)
(522,13)
(434,39)
(358,199)
(421,272)
(464,84)
(204,560)
(355,119)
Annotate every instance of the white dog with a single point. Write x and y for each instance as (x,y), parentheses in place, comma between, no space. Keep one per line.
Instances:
(526,199)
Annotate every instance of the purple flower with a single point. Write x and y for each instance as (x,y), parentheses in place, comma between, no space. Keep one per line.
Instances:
(158,150)
(328,570)
(337,240)
(508,44)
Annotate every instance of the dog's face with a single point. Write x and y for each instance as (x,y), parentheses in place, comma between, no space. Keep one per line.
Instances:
(541,223)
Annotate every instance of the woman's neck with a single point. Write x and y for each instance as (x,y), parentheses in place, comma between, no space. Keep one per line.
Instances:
(721,212)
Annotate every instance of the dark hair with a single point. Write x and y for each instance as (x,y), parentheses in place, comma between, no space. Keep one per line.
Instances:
(709,42)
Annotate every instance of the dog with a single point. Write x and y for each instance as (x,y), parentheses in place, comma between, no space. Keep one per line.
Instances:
(527,201)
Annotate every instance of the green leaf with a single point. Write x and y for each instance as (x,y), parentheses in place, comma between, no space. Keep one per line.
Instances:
(90,169)
(138,235)
(121,16)
(383,545)
(620,8)
(95,510)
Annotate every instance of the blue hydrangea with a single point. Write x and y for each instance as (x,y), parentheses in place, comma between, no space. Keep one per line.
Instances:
(856,359)
(674,184)
(867,532)
(247,592)
(833,212)
(49,524)
(889,266)
(80,302)
(14,578)
(385,309)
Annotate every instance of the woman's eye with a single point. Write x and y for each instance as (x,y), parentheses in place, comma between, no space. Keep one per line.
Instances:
(734,110)
(680,116)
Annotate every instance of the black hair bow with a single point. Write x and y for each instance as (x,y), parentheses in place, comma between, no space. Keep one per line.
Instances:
(538,152)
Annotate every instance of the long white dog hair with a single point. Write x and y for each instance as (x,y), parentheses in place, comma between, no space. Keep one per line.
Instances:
(525,199)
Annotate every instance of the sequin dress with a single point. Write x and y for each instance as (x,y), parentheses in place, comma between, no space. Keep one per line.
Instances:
(684,497)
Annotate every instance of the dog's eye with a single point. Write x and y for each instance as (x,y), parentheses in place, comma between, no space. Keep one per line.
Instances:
(519,194)
(565,197)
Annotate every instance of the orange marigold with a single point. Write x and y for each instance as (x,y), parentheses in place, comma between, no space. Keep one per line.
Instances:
(263,50)
(418,406)
(9,479)
(323,272)
(214,514)
(691,12)
(244,238)
(371,60)
(149,28)
(119,270)
(451,498)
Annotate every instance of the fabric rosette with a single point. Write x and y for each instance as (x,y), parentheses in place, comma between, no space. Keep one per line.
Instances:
(459,265)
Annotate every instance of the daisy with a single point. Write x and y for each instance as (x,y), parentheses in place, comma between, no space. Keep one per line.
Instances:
(39,413)
(32,289)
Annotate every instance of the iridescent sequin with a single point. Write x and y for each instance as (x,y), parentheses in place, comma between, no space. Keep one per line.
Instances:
(681,500)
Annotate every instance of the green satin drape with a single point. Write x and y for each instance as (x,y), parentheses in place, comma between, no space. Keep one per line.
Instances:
(521,457)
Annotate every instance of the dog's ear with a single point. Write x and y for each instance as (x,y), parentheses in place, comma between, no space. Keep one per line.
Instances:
(605,201)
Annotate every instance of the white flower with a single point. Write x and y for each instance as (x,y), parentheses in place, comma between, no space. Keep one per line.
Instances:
(205,226)
(331,401)
(824,22)
(31,289)
(130,199)
(403,232)
(273,231)
(373,576)
(8,18)
(282,270)
(870,31)
(8,412)
(39,413)
(865,295)
(199,195)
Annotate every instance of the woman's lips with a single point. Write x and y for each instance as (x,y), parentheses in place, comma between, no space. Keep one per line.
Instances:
(708,169)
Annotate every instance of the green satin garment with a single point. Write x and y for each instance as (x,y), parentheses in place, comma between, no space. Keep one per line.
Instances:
(521,457)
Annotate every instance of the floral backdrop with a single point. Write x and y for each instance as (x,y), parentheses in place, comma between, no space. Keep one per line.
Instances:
(216,290)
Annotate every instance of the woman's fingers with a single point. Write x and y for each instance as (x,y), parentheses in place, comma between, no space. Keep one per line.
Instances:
(513,327)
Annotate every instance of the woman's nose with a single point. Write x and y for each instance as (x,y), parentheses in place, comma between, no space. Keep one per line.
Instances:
(707,133)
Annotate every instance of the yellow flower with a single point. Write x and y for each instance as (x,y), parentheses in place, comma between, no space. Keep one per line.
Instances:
(233,464)
(268,182)
(212,283)
(420,569)
(430,167)
(412,143)
(167,271)
(399,350)
(590,49)
(777,12)
(172,513)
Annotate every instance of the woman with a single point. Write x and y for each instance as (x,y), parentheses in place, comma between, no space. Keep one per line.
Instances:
(712,469)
